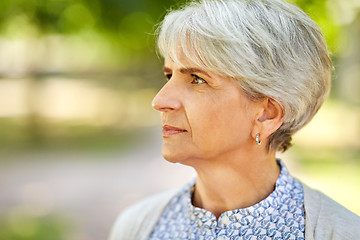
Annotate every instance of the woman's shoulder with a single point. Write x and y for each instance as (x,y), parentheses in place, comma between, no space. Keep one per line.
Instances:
(137,220)
(327,219)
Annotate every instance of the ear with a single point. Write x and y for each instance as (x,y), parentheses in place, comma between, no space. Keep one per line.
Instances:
(269,118)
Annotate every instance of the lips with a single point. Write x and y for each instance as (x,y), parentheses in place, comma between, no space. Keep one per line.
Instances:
(171,130)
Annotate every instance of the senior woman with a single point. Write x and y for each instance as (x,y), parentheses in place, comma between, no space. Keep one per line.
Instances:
(242,77)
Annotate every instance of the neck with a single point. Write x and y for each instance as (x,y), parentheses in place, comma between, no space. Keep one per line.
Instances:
(229,184)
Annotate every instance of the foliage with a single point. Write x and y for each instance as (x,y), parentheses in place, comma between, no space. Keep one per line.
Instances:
(24,227)
(124,21)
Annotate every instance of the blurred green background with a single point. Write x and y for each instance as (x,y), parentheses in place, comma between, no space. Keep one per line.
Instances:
(76,82)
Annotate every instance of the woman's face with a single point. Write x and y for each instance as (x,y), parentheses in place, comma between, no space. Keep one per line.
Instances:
(204,116)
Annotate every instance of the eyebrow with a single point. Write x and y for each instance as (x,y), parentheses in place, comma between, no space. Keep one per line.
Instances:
(189,70)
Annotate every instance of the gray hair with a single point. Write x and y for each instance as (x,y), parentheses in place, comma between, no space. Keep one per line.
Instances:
(271,47)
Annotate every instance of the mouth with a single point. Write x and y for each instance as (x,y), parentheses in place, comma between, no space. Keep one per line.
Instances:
(171,130)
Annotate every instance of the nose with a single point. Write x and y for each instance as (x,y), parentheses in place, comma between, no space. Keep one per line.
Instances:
(168,98)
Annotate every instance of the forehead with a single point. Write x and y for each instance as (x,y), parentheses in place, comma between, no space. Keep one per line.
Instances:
(181,60)
(188,61)
(184,54)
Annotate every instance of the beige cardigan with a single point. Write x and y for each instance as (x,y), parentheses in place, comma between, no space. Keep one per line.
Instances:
(324,218)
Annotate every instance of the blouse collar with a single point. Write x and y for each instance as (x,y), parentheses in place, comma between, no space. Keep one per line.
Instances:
(286,189)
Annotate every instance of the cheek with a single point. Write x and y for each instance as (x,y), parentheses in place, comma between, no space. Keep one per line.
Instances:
(218,123)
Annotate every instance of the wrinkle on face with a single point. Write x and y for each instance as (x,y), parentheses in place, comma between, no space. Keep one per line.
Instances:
(217,114)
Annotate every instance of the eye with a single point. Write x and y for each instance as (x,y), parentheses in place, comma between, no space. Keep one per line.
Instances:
(168,76)
(197,80)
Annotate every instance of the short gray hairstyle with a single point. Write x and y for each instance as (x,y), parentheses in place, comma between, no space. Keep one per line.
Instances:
(271,47)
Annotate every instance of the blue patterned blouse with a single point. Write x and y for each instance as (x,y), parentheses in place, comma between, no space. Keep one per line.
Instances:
(279,216)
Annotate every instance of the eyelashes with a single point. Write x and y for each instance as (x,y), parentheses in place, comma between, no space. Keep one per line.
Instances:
(168,76)
(196,80)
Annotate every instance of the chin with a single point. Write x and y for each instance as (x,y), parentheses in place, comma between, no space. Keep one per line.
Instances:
(180,158)
(172,158)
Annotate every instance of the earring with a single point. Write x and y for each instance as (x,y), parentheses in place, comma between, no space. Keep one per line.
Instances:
(257,139)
